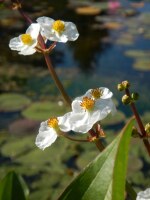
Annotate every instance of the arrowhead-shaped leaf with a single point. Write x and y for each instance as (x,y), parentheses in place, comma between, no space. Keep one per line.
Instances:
(96,181)
(12,187)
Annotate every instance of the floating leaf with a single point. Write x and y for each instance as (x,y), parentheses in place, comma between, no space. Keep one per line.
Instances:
(13,102)
(44,110)
(137,53)
(142,64)
(88,10)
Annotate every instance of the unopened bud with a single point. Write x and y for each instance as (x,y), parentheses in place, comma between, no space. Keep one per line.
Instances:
(147,129)
(135,132)
(126,84)
(120,87)
(135,96)
(126,99)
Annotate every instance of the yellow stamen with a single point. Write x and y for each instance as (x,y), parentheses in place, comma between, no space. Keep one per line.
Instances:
(53,122)
(87,103)
(58,26)
(26,39)
(96,93)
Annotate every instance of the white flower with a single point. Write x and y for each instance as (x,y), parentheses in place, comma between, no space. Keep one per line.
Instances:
(27,42)
(49,131)
(144,195)
(90,108)
(58,30)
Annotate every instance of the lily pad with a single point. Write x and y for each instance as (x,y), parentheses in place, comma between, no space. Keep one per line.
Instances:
(88,10)
(44,110)
(13,102)
(125,39)
(142,64)
(137,53)
(112,25)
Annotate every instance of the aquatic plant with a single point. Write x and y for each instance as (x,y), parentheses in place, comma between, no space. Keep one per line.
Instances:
(105,176)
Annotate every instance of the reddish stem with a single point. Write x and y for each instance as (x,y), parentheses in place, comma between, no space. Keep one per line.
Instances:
(140,124)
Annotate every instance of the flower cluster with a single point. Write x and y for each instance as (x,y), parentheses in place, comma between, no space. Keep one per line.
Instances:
(58,31)
(87,110)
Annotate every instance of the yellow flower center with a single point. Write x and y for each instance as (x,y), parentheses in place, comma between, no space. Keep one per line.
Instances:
(87,103)
(26,39)
(58,26)
(96,93)
(53,122)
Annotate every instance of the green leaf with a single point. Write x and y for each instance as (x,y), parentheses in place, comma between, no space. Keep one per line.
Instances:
(95,182)
(12,187)
(120,167)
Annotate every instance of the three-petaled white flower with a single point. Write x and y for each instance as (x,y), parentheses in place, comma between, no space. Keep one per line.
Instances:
(27,42)
(143,195)
(58,30)
(49,131)
(90,108)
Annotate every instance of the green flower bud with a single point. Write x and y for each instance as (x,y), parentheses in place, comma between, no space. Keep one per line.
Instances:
(147,129)
(126,99)
(120,87)
(126,84)
(135,96)
(135,132)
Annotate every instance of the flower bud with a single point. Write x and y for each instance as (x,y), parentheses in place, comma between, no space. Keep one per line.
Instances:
(135,96)
(126,99)
(126,84)
(135,132)
(120,87)
(147,129)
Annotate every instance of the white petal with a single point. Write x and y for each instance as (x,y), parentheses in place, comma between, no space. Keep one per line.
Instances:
(76,105)
(15,44)
(45,137)
(45,21)
(106,106)
(106,93)
(59,38)
(80,122)
(64,122)
(33,30)
(71,32)
(88,93)
(27,51)
(43,126)
(144,195)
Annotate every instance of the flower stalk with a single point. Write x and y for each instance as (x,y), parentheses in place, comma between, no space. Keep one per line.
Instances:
(46,56)
(140,124)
